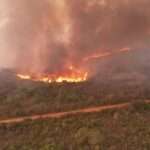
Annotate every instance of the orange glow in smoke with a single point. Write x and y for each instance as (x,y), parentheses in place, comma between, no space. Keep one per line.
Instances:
(72,74)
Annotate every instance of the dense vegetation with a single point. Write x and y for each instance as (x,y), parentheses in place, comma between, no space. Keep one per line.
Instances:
(22,97)
(126,129)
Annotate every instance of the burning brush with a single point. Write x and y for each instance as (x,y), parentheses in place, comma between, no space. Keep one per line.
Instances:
(72,75)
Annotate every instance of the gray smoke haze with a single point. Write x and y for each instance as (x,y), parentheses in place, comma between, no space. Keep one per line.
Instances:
(48,36)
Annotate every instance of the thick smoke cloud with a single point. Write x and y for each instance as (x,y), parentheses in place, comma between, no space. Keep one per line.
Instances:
(109,25)
(47,36)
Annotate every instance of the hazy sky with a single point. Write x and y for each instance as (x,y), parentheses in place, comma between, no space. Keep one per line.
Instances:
(49,35)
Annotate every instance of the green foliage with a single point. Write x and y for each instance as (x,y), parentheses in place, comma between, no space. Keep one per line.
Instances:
(91,136)
(99,131)
(127,129)
(141,106)
(19,97)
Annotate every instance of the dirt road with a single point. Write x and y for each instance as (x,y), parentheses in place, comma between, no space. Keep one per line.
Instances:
(63,114)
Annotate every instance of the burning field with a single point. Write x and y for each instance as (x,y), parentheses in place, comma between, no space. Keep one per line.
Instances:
(63,40)
(72,75)
(97,49)
(60,56)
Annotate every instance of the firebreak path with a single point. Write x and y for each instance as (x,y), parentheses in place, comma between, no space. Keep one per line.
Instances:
(71,113)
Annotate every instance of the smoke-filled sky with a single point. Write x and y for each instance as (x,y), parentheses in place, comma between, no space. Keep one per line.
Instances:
(50,35)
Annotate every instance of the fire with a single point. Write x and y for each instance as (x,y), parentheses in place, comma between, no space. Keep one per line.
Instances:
(95,56)
(25,77)
(106,54)
(72,75)
(59,79)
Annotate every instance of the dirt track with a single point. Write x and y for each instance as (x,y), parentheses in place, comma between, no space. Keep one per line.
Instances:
(63,114)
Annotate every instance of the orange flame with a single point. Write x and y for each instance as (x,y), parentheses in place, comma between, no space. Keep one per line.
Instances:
(25,77)
(73,75)
(106,54)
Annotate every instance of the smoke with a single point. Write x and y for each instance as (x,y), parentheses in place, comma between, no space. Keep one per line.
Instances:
(48,36)
(101,25)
